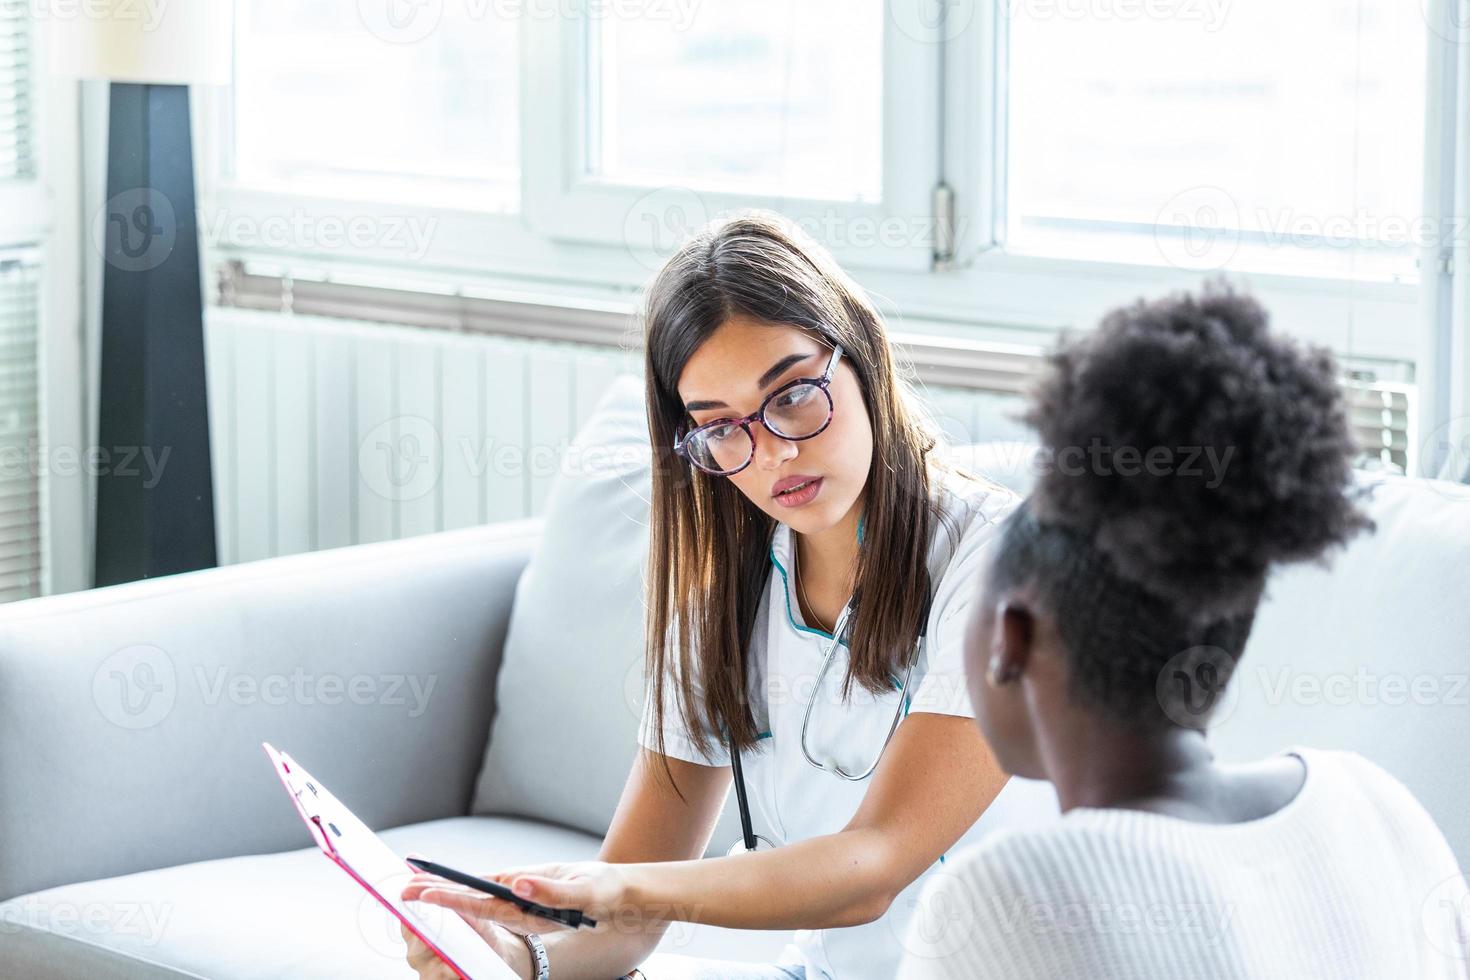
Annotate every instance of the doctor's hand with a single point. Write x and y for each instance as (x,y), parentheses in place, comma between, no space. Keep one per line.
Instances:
(596,888)
(505,944)
(426,963)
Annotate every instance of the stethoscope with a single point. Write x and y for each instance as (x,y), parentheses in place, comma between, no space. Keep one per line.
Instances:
(749,839)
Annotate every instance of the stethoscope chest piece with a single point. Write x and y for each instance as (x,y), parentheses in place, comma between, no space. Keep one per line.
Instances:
(762,843)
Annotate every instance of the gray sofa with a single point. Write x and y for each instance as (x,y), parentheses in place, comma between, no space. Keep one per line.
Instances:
(143,834)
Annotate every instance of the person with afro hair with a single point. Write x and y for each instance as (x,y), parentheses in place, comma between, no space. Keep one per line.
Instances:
(1118,598)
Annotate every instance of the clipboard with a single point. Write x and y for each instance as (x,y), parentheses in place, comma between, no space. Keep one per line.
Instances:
(354,848)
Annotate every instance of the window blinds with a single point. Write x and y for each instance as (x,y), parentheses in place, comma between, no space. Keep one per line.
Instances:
(20,285)
(17,160)
(20,459)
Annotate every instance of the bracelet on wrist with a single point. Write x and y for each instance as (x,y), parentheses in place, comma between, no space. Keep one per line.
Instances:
(540,966)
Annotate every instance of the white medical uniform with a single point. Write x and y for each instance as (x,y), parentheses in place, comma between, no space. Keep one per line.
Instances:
(792,800)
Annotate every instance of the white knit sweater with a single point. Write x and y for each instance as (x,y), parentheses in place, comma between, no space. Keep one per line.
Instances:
(1351,879)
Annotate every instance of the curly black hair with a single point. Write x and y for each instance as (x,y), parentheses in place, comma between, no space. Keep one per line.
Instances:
(1190,449)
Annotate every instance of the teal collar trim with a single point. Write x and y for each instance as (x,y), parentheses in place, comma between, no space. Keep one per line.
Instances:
(724,736)
(786,590)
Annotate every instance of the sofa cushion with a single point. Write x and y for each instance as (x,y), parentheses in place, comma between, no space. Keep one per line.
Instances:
(1338,649)
(375,662)
(291,914)
(571,682)
(1370,653)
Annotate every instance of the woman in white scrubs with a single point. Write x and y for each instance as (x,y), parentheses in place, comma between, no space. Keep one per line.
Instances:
(796,490)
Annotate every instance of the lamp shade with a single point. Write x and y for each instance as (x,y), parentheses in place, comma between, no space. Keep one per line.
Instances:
(161,42)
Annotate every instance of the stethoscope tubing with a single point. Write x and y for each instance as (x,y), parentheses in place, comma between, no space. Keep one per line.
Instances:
(749,839)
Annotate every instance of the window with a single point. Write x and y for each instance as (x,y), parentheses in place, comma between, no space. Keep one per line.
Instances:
(21,205)
(1193,132)
(1094,148)
(393,101)
(660,115)
(765,96)
(20,492)
(17,161)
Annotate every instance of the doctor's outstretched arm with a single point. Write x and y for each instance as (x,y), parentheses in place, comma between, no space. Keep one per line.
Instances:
(935,780)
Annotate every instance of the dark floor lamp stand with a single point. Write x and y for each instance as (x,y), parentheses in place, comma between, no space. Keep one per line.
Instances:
(155,513)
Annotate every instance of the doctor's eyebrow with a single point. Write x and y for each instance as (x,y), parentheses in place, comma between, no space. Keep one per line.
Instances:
(777,369)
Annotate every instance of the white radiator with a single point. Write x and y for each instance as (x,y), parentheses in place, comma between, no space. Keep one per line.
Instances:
(328,432)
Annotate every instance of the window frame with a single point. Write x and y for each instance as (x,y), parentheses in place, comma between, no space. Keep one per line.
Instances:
(564,203)
(47,217)
(569,235)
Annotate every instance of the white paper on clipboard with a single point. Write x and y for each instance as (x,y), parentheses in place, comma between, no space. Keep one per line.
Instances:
(349,844)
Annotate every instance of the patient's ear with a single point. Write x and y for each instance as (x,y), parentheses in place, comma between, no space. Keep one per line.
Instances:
(1011,652)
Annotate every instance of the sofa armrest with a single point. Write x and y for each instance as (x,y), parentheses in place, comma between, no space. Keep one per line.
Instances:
(131,717)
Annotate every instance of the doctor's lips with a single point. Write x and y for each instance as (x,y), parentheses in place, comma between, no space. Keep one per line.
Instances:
(793,491)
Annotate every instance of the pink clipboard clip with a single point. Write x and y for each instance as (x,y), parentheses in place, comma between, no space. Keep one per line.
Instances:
(354,848)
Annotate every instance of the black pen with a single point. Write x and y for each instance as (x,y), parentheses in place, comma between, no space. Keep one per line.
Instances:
(567,917)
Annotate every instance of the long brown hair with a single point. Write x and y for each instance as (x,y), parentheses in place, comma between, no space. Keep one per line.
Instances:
(708,544)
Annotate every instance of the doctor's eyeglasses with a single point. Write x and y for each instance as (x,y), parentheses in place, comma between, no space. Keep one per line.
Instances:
(799,409)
